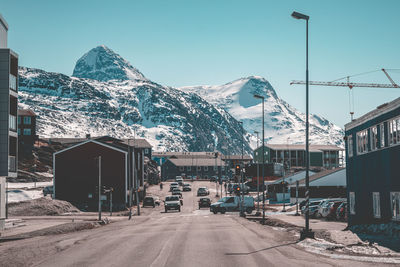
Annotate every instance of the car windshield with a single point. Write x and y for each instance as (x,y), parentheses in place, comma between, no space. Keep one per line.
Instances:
(223,199)
(172,198)
(172,184)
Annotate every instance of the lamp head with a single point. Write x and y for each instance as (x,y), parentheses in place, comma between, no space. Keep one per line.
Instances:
(259,96)
(298,15)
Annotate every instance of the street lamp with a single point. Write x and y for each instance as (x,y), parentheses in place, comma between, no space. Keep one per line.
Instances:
(241,177)
(263,157)
(258,181)
(307,231)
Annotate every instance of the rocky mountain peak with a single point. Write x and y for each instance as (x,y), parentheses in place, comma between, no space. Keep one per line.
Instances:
(103,64)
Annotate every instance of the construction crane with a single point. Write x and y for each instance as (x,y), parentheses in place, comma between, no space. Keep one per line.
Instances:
(351,85)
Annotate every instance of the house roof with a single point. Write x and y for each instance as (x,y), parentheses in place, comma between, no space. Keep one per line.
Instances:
(196,162)
(312,148)
(137,143)
(25,112)
(384,108)
(337,177)
(91,141)
(237,157)
(4,22)
(293,177)
(184,154)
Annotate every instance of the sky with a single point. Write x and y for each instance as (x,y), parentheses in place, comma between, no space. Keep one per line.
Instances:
(182,43)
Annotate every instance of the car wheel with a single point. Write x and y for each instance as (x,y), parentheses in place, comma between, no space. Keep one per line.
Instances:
(154,206)
(215,212)
(249,210)
(166,210)
(223,210)
(179,209)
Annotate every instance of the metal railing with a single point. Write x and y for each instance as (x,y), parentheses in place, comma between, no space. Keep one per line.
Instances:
(13,82)
(12,164)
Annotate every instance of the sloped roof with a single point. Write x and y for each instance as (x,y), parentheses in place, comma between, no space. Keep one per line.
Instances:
(292,178)
(196,162)
(237,157)
(184,154)
(337,176)
(25,112)
(137,143)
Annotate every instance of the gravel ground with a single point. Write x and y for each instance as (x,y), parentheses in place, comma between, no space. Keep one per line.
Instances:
(40,207)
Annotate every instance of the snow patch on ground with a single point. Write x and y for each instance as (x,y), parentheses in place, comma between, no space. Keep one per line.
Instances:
(18,195)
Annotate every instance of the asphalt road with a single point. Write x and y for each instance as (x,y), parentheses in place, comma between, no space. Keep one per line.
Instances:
(189,238)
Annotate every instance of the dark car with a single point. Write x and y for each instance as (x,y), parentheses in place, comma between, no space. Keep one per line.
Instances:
(186,187)
(202,191)
(176,192)
(151,202)
(332,209)
(48,190)
(213,179)
(204,202)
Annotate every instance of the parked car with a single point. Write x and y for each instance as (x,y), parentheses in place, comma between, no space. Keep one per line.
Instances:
(202,191)
(313,208)
(151,201)
(323,207)
(213,178)
(48,190)
(204,202)
(187,187)
(232,204)
(341,212)
(179,180)
(332,209)
(172,203)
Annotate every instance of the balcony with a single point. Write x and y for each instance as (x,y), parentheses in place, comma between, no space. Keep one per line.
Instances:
(13,82)
(12,164)
(12,122)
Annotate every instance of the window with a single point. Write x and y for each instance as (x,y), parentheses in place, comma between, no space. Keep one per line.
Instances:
(205,168)
(382,135)
(27,131)
(19,120)
(376,204)
(352,203)
(373,133)
(362,142)
(12,122)
(215,168)
(256,153)
(27,120)
(394,131)
(181,168)
(222,168)
(19,131)
(189,168)
(350,145)
(395,205)
(199,168)
(146,151)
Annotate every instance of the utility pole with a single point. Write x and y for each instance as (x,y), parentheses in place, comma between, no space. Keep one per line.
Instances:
(136,176)
(130,174)
(241,176)
(99,163)
(111,190)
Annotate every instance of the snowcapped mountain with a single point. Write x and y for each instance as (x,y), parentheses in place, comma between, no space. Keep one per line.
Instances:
(283,123)
(108,96)
(102,64)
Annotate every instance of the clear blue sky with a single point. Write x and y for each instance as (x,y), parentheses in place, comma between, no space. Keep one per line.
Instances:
(180,43)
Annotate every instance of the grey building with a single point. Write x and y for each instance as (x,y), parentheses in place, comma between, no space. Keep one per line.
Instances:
(8,113)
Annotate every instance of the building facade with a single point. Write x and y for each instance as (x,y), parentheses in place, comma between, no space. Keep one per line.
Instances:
(26,131)
(326,156)
(8,105)
(372,163)
(202,168)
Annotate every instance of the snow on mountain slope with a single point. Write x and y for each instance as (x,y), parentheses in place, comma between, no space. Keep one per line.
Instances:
(169,119)
(283,123)
(103,64)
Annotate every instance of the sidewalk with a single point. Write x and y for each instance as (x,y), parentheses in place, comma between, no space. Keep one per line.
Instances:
(20,225)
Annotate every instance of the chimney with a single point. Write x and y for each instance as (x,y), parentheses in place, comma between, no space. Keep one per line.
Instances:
(87,136)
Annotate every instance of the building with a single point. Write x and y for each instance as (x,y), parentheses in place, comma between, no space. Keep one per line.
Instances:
(233,160)
(372,164)
(327,156)
(202,168)
(26,131)
(76,171)
(161,157)
(325,184)
(8,105)
(8,115)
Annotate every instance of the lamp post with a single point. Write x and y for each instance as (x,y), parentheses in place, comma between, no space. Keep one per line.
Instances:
(258,181)
(241,178)
(306,233)
(263,158)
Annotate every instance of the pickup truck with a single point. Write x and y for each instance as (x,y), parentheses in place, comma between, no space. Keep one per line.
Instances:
(232,204)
